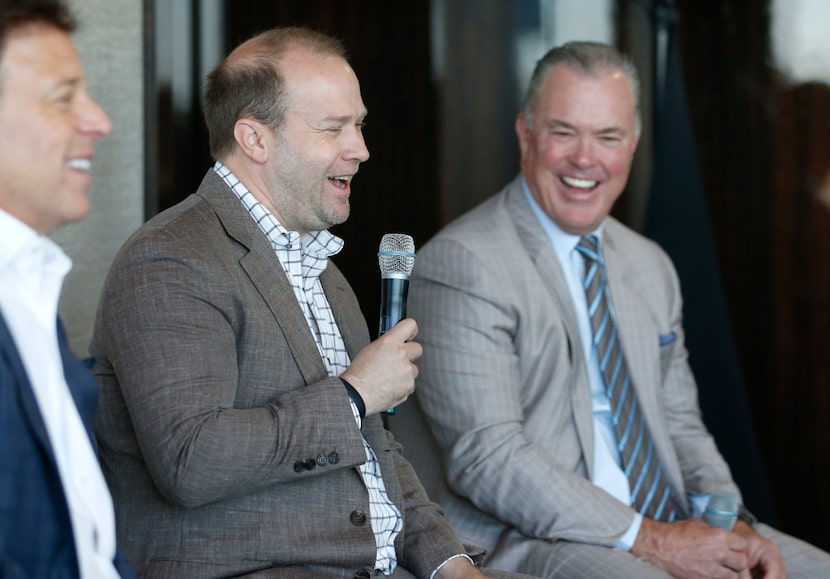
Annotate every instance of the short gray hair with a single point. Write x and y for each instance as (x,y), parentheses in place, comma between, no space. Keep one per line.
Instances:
(588,58)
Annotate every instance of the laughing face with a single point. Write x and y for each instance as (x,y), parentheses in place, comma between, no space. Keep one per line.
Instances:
(48,124)
(320,146)
(577,149)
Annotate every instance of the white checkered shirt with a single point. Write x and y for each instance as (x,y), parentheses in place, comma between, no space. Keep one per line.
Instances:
(304,258)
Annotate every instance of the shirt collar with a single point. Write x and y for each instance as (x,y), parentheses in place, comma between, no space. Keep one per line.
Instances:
(318,244)
(18,240)
(562,241)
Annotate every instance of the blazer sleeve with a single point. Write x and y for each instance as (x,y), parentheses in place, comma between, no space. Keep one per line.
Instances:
(201,364)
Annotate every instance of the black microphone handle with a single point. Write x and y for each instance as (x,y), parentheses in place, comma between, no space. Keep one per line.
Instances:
(393,292)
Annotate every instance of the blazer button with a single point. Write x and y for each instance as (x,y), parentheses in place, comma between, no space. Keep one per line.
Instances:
(358,518)
(362,574)
(299,466)
(333,458)
(322,460)
(310,464)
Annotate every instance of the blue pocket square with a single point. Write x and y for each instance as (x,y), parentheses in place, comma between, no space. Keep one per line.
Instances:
(666,339)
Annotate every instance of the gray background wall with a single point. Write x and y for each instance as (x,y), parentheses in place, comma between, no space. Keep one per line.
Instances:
(109,41)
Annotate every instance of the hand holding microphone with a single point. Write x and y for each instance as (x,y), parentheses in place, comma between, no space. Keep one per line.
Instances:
(396,258)
(384,372)
(763,556)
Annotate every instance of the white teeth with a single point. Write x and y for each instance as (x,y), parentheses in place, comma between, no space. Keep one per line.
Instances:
(581,183)
(341,182)
(79,164)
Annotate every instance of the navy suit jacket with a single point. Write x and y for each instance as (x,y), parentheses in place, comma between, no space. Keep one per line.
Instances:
(35,529)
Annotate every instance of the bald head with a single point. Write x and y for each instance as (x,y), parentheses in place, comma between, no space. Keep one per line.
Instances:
(250,82)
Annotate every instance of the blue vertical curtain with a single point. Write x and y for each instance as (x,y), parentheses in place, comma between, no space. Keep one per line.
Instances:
(676,217)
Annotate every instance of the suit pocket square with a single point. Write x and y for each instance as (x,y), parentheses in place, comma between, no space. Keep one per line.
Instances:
(666,339)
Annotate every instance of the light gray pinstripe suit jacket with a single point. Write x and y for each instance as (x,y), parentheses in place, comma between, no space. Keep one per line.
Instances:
(213,389)
(503,381)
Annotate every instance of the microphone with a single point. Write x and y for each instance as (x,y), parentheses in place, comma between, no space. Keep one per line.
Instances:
(396,257)
(722,511)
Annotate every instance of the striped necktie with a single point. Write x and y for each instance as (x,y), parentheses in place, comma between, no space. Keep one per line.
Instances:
(651,495)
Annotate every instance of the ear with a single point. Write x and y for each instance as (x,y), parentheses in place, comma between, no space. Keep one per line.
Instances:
(522,132)
(252,139)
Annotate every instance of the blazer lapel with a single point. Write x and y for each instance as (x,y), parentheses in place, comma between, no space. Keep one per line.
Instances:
(636,332)
(538,246)
(639,336)
(266,274)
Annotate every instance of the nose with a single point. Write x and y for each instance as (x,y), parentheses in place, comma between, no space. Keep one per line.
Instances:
(583,154)
(93,120)
(358,150)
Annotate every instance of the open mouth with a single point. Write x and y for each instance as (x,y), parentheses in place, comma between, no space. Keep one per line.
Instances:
(576,183)
(80,164)
(340,182)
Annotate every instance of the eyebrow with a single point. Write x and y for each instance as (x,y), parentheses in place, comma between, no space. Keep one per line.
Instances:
(558,124)
(72,83)
(343,119)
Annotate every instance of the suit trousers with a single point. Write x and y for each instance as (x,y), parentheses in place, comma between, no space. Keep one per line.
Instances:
(567,560)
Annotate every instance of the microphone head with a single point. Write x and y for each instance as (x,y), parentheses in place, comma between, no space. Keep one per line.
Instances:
(722,511)
(396,255)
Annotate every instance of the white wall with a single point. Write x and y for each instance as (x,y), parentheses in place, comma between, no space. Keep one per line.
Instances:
(800,42)
(109,40)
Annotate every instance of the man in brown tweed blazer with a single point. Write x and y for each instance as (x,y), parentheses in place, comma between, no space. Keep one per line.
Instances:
(239,423)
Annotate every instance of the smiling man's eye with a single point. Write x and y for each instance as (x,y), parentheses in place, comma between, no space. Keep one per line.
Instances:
(63,97)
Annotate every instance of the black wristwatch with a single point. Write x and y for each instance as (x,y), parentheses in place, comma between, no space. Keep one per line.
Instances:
(746,516)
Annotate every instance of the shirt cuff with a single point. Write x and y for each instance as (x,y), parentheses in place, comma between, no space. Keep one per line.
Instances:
(438,568)
(699,504)
(627,540)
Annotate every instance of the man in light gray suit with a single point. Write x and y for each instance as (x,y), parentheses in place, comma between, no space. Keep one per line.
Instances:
(522,387)
(239,423)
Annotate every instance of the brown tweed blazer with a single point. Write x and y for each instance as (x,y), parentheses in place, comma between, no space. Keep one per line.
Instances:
(213,398)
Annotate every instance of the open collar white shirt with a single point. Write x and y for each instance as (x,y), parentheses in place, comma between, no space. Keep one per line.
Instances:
(607,472)
(32,270)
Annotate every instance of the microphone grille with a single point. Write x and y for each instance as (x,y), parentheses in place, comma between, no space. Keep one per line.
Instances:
(396,255)
(722,510)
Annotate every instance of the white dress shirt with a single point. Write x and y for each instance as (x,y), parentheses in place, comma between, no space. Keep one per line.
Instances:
(608,474)
(32,269)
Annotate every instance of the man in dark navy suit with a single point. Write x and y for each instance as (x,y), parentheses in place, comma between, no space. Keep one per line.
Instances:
(56,515)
